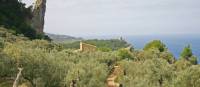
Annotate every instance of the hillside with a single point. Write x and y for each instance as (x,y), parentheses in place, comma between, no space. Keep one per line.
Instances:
(27,59)
(14,15)
(63,38)
(47,64)
(106,45)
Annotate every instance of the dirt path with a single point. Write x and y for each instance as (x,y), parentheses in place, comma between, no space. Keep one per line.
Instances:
(112,77)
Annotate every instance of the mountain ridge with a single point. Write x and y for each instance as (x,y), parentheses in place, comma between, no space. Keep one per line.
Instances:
(63,38)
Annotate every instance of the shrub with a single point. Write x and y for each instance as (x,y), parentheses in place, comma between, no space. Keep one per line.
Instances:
(187,52)
(188,78)
(125,54)
(155,44)
(188,55)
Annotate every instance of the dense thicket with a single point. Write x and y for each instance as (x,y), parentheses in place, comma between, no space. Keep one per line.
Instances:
(48,64)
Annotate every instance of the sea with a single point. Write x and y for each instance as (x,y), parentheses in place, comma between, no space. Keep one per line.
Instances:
(175,43)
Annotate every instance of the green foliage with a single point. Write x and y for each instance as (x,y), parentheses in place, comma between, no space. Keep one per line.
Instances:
(71,45)
(188,55)
(103,45)
(7,36)
(167,56)
(113,44)
(155,53)
(15,16)
(104,49)
(124,54)
(182,64)
(157,49)
(189,77)
(1,43)
(46,64)
(6,83)
(187,52)
(49,65)
(150,73)
(155,44)
(193,60)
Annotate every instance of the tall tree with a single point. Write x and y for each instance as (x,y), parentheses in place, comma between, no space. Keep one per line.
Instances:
(188,55)
(187,52)
(156,44)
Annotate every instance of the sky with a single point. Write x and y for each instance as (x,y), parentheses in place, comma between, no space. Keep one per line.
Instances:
(122,17)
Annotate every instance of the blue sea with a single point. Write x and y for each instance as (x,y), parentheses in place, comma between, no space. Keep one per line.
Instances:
(175,43)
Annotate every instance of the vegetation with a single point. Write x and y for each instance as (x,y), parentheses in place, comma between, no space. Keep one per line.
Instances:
(62,38)
(188,55)
(125,54)
(15,16)
(156,44)
(103,45)
(47,64)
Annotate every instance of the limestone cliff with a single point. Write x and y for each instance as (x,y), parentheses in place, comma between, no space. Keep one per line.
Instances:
(39,16)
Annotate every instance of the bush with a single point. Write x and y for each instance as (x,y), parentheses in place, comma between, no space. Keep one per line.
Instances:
(155,44)
(125,54)
(47,64)
(188,78)
(188,55)
(150,73)
(1,43)
(104,45)
(187,52)
(15,16)
(104,49)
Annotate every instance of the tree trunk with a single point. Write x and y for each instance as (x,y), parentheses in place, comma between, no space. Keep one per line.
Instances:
(16,82)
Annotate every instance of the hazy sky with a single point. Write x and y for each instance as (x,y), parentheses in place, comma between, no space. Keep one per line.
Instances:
(122,17)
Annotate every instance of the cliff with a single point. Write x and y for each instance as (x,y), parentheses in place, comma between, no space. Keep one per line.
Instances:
(39,16)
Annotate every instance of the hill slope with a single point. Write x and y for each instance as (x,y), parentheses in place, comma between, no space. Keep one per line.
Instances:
(63,38)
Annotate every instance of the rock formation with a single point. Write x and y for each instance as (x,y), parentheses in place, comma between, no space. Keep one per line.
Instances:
(39,16)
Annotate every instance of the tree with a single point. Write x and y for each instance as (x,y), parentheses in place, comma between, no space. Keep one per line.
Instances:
(150,73)
(182,64)
(193,60)
(188,55)
(187,52)
(1,43)
(16,82)
(124,54)
(16,16)
(155,44)
(189,77)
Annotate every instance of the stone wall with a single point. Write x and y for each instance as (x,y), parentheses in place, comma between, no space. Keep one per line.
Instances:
(87,47)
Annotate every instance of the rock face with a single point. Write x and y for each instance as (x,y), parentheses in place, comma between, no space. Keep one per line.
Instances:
(39,16)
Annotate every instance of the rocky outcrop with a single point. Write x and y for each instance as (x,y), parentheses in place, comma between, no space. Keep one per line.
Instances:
(39,16)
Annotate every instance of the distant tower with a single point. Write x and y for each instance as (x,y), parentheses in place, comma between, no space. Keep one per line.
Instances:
(39,16)
(121,38)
